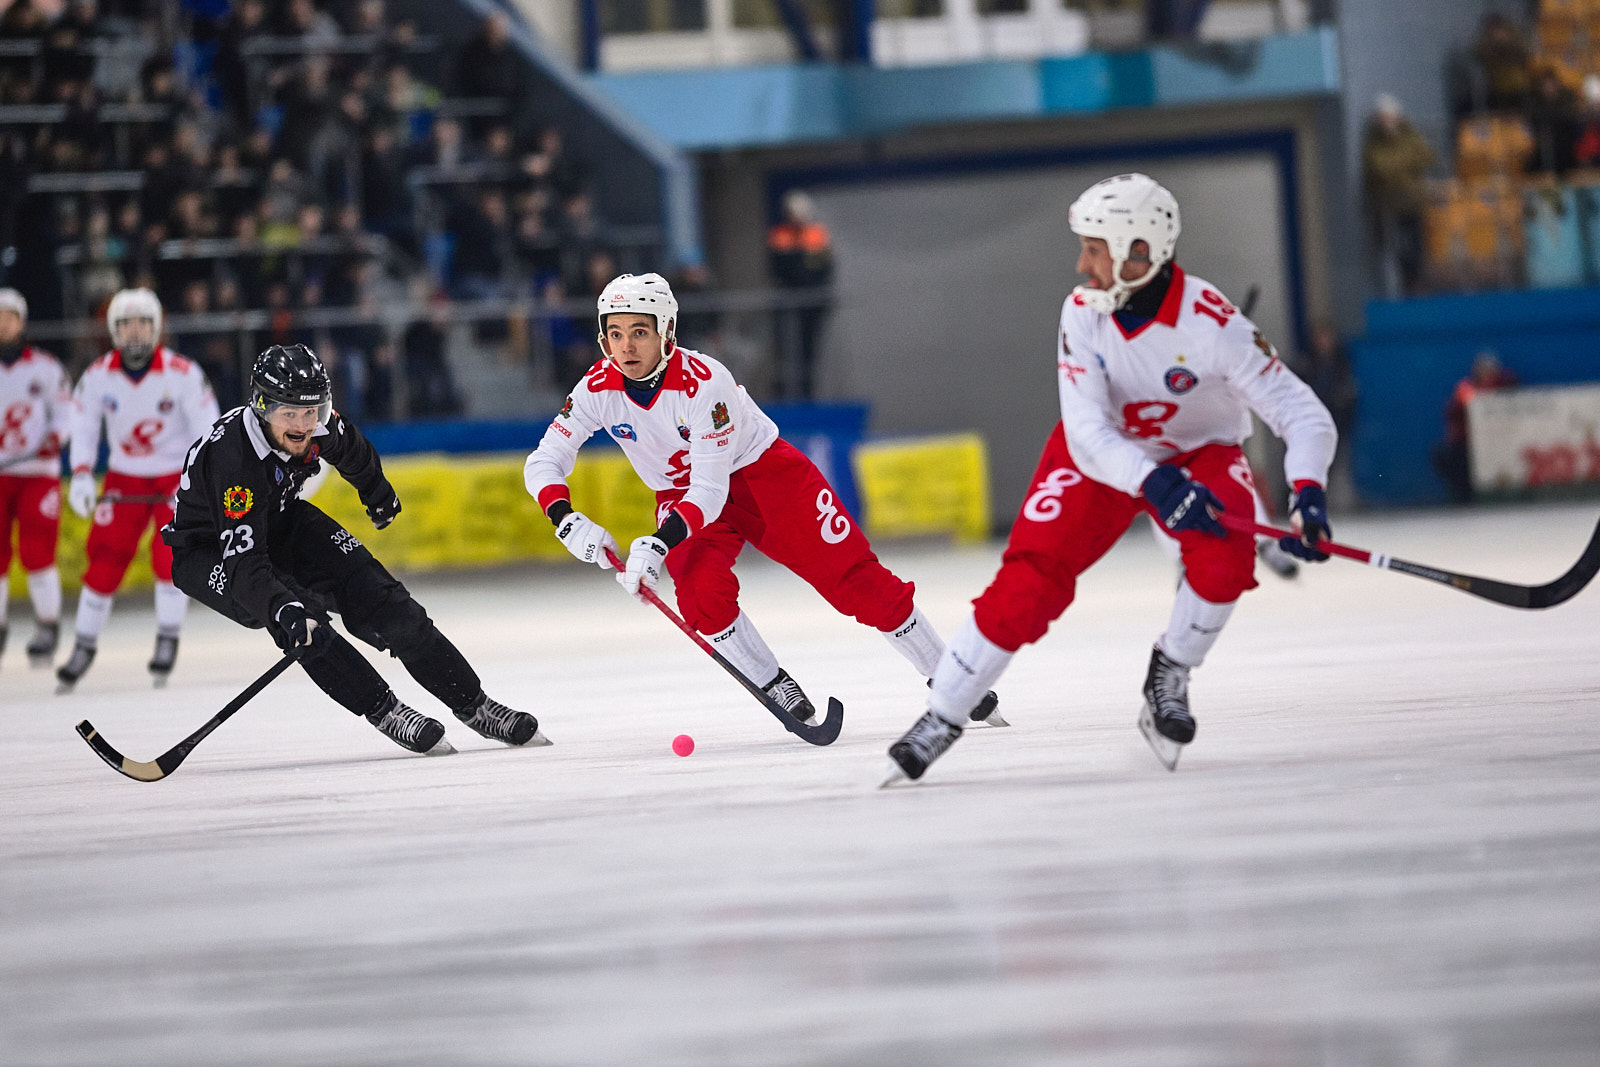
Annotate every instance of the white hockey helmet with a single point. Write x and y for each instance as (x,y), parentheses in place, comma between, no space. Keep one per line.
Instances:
(641,294)
(11,300)
(1120,211)
(134,304)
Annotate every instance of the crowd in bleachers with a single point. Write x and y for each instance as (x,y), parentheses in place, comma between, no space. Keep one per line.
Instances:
(1522,202)
(290,156)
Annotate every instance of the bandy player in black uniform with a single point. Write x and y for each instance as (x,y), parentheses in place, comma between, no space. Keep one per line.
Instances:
(246,546)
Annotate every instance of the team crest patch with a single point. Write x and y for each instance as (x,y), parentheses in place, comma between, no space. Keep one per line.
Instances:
(719,416)
(35,389)
(623,430)
(566,409)
(236,502)
(683,432)
(1180,380)
(166,405)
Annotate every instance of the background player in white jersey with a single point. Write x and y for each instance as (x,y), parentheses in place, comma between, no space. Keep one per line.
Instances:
(35,408)
(153,404)
(1157,374)
(723,479)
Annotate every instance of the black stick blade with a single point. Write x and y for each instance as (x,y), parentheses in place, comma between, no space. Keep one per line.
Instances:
(825,732)
(139,772)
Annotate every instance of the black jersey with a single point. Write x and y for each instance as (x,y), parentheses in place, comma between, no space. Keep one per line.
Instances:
(238,492)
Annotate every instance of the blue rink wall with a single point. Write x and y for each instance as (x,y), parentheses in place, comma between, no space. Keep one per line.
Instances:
(1414,353)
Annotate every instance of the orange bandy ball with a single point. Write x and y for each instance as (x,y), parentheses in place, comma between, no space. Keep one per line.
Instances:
(683,744)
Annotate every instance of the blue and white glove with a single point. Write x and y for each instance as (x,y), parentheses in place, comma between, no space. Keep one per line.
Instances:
(1308,517)
(646,556)
(1182,503)
(586,539)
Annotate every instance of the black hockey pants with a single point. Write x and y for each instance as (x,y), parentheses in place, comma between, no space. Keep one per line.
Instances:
(330,571)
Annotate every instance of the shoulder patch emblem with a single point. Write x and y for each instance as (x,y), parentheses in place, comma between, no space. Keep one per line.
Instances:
(719,416)
(1180,380)
(624,431)
(237,502)
(683,431)
(566,409)
(1066,350)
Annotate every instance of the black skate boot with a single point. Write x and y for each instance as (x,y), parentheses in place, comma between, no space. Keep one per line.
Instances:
(987,711)
(497,722)
(1277,560)
(1165,720)
(925,742)
(788,695)
(42,649)
(409,728)
(165,656)
(77,665)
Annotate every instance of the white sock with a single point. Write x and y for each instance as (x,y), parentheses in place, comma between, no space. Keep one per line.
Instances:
(171,606)
(743,647)
(968,669)
(917,641)
(1194,627)
(44,588)
(93,611)
(5,596)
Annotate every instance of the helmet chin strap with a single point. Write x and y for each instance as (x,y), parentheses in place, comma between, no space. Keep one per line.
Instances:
(1109,301)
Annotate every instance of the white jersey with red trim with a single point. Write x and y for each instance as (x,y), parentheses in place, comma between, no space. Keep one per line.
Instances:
(35,414)
(150,422)
(696,431)
(1187,378)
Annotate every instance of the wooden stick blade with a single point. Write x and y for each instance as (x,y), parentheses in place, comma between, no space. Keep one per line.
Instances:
(139,772)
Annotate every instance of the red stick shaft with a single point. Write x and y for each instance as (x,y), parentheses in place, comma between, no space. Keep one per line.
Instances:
(1250,526)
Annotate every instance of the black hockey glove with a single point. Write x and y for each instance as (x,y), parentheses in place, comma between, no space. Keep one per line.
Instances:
(300,633)
(1308,517)
(383,513)
(1181,503)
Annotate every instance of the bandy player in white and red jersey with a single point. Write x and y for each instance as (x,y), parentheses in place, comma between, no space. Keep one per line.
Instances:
(153,404)
(1158,373)
(723,479)
(35,408)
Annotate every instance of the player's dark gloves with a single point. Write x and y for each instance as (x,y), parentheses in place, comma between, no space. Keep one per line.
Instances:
(1182,504)
(383,513)
(1308,516)
(298,631)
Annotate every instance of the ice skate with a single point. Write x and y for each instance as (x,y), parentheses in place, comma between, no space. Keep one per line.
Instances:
(166,655)
(788,695)
(497,722)
(75,668)
(987,711)
(42,649)
(1277,560)
(409,728)
(1165,720)
(925,742)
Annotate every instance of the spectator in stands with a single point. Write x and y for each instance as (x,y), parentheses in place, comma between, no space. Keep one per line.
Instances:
(24,20)
(488,65)
(233,189)
(446,148)
(300,18)
(538,248)
(483,257)
(1325,366)
(1452,456)
(385,196)
(1552,119)
(308,102)
(1394,161)
(583,236)
(215,350)
(800,256)
(1503,58)
(432,389)
(562,173)
(231,69)
(1174,19)
(1586,129)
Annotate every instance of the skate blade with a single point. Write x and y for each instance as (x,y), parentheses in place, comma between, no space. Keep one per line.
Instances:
(159,681)
(894,777)
(65,688)
(1166,749)
(993,719)
(42,660)
(443,748)
(538,740)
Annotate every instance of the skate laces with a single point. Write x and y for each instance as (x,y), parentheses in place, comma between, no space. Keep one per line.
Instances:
(404,723)
(787,692)
(1169,685)
(929,737)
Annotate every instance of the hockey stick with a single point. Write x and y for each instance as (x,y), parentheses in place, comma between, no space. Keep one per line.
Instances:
(1532,597)
(823,733)
(168,761)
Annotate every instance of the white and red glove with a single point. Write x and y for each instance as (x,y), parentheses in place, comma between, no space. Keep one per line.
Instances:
(646,557)
(586,539)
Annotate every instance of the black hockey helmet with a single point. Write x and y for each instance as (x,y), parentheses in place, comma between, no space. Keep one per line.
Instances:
(290,376)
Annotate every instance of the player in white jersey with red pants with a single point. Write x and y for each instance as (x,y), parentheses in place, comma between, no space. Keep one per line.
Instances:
(1158,373)
(723,479)
(154,404)
(35,408)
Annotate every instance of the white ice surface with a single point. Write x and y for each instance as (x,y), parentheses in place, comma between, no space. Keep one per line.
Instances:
(1383,848)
